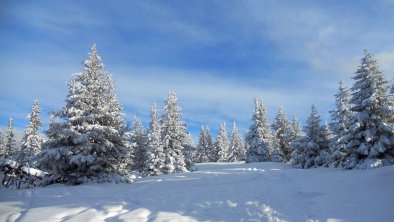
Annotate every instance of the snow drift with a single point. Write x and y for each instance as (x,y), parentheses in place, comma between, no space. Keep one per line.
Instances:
(216,192)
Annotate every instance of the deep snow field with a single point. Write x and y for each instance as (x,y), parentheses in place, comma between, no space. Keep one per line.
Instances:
(216,192)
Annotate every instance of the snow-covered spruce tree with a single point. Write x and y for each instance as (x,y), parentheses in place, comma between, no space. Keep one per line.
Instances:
(205,149)
(222,144)
(32,141)
(155,157)
(237,148)
(259,139)
(283,132)
(296,131)
(9,140)
(370,140)
(189,151)
(326,135)
(307,150)
(392,89)
(2,150)
(139,142)
(86,138)
(296,135)
(340,116)
(173,136)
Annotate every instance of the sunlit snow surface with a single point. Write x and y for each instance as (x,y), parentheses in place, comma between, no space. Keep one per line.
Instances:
(216,192)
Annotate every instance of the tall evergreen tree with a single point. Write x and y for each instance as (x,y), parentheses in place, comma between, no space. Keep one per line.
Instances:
(222,144)
(283,132)
(371,134)
(87,136)
(173,136)
(340,116)
(296,131)
(2,149)
(259,139)
(205,148)
(155,157)
(307,151)
(9,140)
(237,148)
(32,140)
(139,141)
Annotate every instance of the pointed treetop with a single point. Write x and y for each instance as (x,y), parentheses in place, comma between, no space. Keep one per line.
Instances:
(94,58)
(153,111)
(257,101)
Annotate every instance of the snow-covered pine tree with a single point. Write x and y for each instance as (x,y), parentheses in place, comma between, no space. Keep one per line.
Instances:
(2,150)
(296,130)
(237,147)
(326,138)
(205,148)
(296,135)
(87,136)
(340,117)
(173,136)
(32,141)
(9,140)
(189,151)
(222,144)
(139,142)
(342,114)
(392,89)
(308,148)
(155,157)
(283,132)
(259,139)
(370,140)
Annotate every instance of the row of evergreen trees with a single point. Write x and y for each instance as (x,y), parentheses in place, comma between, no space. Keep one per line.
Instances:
(361,133)
(223,149)
(31,143)
(88,139)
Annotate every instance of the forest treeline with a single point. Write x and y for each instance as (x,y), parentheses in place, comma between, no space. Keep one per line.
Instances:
(89,140)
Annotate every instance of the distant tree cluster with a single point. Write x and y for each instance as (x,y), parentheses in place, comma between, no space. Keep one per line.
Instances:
(222,149)
(89,140)
(31,143)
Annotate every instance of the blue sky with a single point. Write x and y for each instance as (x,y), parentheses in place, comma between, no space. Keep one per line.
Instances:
(216,55)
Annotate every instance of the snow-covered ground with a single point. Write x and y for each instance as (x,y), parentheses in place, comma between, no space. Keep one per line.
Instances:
(216,192)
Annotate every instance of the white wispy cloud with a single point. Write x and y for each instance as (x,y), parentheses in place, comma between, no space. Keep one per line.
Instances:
(312,45)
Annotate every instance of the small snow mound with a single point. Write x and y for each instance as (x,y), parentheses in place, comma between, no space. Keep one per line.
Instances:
(231,204)
(254,169)
(370,164)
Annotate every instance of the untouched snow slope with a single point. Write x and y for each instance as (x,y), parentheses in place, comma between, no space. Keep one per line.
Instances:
(216,192)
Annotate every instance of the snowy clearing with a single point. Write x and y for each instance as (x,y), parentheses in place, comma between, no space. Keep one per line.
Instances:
(216,192)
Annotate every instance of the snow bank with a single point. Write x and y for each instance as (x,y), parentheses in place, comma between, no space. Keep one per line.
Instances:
(216,192)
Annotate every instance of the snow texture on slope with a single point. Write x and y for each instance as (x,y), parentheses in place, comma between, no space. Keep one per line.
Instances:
(216,192)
